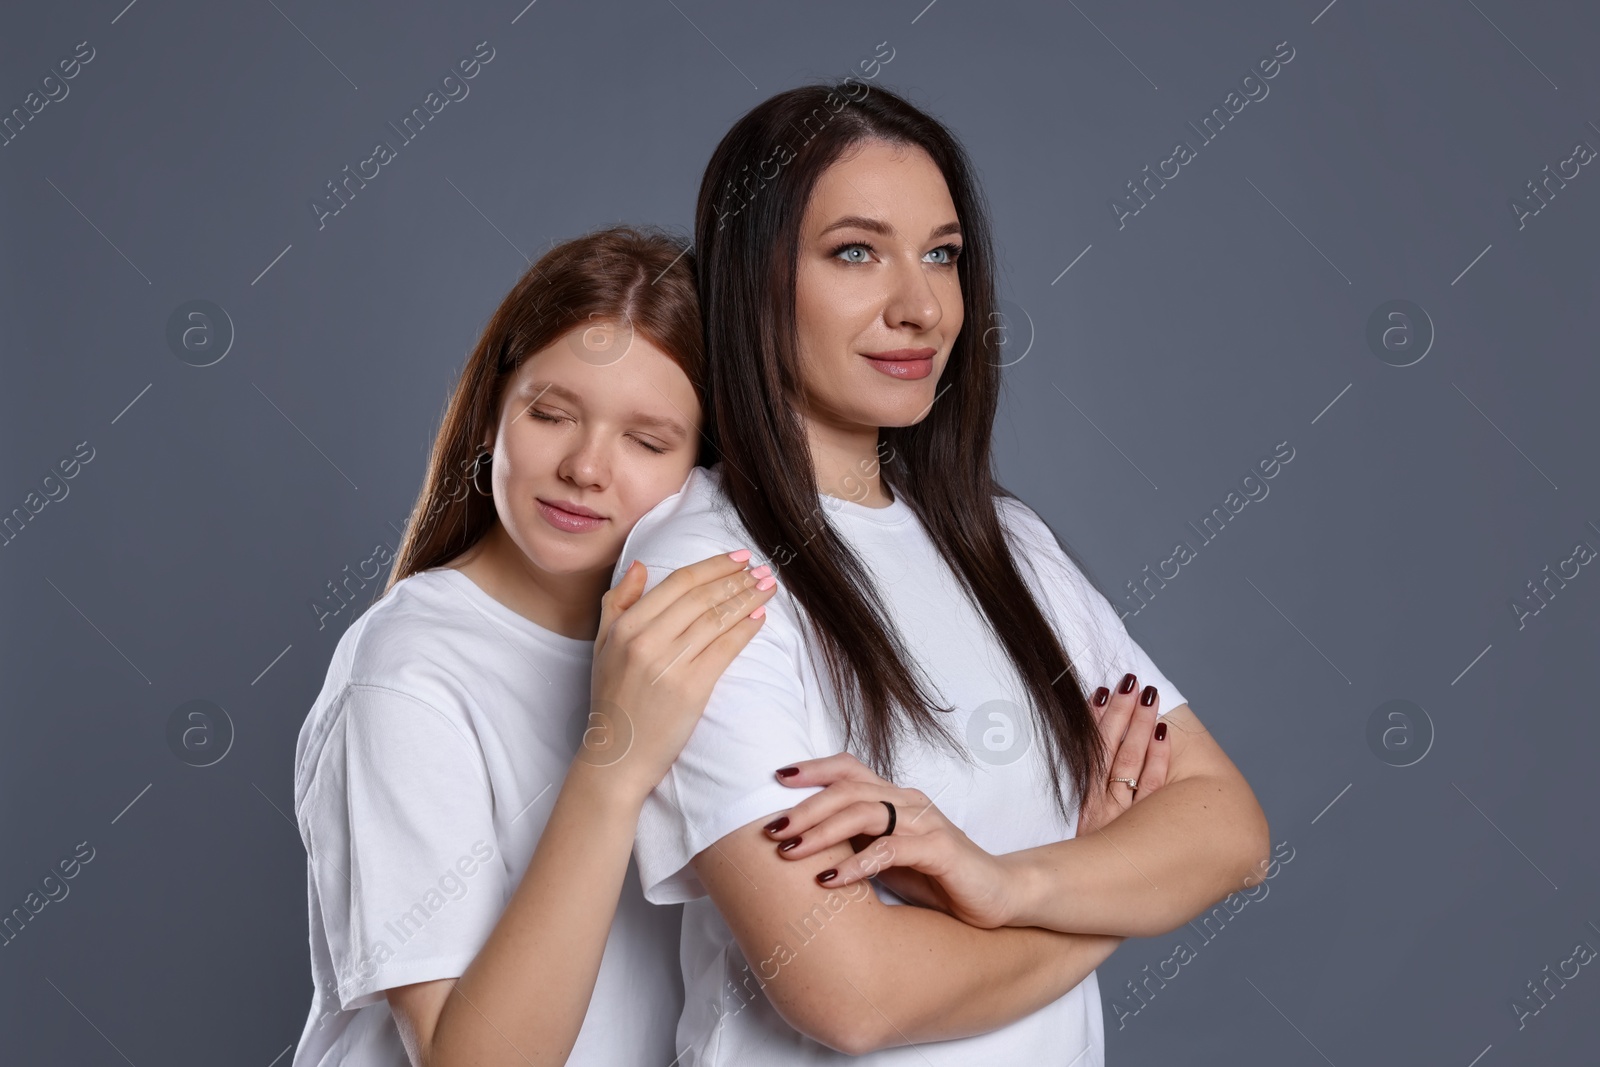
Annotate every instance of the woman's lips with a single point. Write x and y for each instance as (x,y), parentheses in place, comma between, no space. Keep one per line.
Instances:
(568,521)
(906,364)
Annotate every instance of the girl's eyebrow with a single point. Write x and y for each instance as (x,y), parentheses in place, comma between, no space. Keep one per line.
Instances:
(861,222)
(671,429)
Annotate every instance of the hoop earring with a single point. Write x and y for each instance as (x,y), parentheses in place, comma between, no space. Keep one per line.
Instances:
(479,462)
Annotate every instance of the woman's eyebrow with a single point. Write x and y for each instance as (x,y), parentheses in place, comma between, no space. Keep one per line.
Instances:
(861,222)
(858,222)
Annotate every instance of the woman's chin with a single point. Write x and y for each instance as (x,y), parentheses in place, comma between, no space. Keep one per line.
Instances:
(906,410)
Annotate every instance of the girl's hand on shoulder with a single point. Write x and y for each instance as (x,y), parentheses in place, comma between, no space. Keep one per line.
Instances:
(657,657)
(927,860)
(1136,747)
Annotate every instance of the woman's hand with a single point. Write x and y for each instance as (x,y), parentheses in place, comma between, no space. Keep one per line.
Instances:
(657,657)
(928,860)
(1136,747)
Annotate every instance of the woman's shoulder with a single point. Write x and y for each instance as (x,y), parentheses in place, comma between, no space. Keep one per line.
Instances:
(695,522)
(1035,543)
(1021,522)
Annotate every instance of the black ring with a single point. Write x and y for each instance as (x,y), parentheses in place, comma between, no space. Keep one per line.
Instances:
(890,830)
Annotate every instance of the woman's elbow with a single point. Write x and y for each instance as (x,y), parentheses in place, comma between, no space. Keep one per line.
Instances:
(821,1018)
(1257,846)
(1243,838)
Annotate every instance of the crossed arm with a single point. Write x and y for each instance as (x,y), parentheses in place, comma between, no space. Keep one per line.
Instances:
(858,975)
(1161,862)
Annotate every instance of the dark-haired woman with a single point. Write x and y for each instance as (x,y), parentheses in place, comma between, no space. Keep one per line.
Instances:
(924,612)
(468,782)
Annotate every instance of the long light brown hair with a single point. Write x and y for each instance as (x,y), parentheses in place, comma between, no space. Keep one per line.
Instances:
(634,278)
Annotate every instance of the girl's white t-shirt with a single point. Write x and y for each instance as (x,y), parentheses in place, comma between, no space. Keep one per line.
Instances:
(424,775)
(773,706)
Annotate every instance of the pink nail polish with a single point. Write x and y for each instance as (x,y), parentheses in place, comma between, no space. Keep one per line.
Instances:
(740,556)
(759,612)
(761,571)
(766,583)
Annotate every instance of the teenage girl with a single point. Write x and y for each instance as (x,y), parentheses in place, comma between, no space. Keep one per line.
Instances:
(468,782)
(929,624)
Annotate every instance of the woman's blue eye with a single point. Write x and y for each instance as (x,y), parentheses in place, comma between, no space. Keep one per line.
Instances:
(951,252)
(843,249)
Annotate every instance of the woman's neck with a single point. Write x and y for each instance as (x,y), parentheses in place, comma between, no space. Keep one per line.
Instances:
(567,604)
(846,463)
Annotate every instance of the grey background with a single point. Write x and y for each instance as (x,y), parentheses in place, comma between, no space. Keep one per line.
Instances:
(1229,315)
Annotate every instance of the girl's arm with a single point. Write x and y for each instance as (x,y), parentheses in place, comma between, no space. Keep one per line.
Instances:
(523,999)
(525,996)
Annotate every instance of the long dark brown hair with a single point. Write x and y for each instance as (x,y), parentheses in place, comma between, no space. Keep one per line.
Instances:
(636,278)
(747,232)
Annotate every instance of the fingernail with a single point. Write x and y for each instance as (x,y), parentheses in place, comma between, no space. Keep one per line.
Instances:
(761,571)
(1161,731)
(759,612)
(767,583)
(1101,695)
(1128,682)
(788,772)
(740,556)
(787,845)
(828,875)
(1148,697)
(776,824)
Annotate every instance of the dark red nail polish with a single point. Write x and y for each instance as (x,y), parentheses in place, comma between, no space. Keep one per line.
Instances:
(1148,697)
(1128,682)
(828,875)
(776,824)
(787,845)
(1161,731)
(1101,695)
(788,772)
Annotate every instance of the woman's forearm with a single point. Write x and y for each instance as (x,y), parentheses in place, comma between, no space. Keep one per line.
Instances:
(1153,868)
(856,974)
(937,987)
(524,998)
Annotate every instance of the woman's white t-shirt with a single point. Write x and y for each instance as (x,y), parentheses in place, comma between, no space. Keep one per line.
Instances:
(773,706)
(424,775)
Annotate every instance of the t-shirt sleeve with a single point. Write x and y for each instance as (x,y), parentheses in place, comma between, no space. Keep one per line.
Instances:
(754,722)
(1095,638)
(401,845)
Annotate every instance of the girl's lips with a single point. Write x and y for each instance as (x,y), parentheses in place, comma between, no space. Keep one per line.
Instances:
(568,522)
